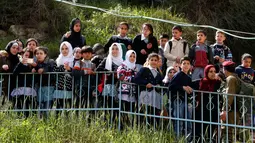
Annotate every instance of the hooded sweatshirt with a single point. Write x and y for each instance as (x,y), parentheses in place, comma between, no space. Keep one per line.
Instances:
(75,39)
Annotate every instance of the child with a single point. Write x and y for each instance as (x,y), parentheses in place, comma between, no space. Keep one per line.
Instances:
(244,71)
(44,82)
(74,36)
(176,48)
(126,72)
(144,44)
(246,74)
(63,92)
(106,88)
(111,63)
(8,61)
(221,52)
(169,75)
(24,93)
(200,55)
(121,38)
(148,77)
(180,87)
(84,78)
(164,38)
(31,44)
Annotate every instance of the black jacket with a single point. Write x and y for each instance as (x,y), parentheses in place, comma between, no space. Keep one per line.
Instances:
(23,80)
(139,44)
(111,78)
(145,76)
(76,39)
(179,80)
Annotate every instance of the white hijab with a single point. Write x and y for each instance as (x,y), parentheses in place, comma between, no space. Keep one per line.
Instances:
(127,62)
(63,59)
(111,59)
(166,79)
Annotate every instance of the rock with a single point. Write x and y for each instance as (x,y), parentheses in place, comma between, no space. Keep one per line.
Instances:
(31,30)
(3,33)
(18,30)
(43,26)
(40,36)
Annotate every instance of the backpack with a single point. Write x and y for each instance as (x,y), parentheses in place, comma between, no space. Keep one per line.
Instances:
(184,46)
(245,89)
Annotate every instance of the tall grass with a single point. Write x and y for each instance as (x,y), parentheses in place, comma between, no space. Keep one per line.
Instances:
(73,129)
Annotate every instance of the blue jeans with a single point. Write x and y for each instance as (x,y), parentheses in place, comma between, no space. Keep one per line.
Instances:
(179,109)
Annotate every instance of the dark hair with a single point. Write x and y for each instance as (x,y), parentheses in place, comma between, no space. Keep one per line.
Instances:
(164,36)
(18,40)
(177,27)
(245,56)
(86,49)
(152,55)
(124,23)
(27,50)
(44,49)
(185,59)
(149,27)
(202,31)
(32,39)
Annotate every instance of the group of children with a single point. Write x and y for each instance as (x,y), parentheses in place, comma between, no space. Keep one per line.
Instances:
(101,76)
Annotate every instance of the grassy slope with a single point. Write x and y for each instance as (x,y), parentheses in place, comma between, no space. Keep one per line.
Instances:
(62,130)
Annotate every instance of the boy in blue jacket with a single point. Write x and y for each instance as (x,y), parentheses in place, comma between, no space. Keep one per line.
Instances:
(180,87)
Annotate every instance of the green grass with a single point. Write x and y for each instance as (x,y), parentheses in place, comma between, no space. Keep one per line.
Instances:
(72,129)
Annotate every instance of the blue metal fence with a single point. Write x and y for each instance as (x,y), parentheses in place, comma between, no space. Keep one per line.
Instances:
(196,117)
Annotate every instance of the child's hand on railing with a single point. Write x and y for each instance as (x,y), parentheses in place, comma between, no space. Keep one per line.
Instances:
(187,89)
(33,70)
(5,67)
(149,85)
(90,72)
(40,71)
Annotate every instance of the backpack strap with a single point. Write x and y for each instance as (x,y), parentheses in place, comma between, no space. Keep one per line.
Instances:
(184,47)
(170,45)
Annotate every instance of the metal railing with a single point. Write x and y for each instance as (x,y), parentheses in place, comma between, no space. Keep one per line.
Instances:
(197,117)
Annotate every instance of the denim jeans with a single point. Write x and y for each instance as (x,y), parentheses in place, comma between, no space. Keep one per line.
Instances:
(179,109)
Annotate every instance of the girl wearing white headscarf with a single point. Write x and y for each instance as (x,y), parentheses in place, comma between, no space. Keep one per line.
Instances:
(63,92)
(111,59)
(108,80)
(126,71)
(61,60)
